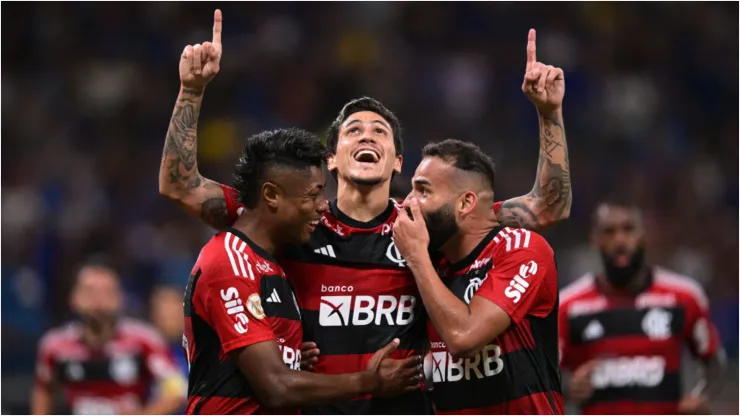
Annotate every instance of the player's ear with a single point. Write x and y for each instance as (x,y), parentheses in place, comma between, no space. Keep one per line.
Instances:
(270,194)
(397,164)
(466,202)
(331,163)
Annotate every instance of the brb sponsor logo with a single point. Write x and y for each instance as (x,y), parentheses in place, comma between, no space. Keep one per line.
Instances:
(235,308)
(638,371)
(446,368)
(291,357)
(519,284)
(361,310)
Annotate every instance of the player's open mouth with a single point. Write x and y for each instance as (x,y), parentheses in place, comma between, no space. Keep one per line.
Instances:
(367,155)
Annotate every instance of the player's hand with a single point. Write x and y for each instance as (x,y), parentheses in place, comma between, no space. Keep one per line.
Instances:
(309,355)
(544,85)
(200,63)
(693,405)
(580,381)
(410,234)
(391,377)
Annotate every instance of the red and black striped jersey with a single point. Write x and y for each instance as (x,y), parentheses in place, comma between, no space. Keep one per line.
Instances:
(516,373)
(237,296)
(636,338)
(356,294)
(113,379)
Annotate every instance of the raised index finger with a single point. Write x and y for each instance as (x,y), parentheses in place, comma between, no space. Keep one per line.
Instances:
(217,23)
(531,49)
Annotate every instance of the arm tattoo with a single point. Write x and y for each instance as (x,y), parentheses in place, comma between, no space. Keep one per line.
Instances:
(213,212)
(550,198)
(552,189)
(213,208)
(514,213)
(179,160)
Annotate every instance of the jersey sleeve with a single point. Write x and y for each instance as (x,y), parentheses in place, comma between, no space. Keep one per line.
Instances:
(45,362)
(233,206)
(523,280)
(497,206)
(700,332)
(231,305)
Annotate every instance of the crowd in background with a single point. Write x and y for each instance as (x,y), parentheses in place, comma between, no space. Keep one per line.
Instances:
(88,89)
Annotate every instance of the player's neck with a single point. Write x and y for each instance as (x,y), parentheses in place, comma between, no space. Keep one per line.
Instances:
(96,335)
(363,203)
(463,243)
(261,231)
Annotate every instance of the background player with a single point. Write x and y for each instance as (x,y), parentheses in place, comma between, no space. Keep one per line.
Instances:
(496,306)
(622,331)
(105,364)
(228,334)
(354,237)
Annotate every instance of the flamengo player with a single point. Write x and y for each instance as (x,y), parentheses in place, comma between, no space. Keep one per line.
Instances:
(622,332)
(353,286)
(105,364)
(494,312)
(241,356)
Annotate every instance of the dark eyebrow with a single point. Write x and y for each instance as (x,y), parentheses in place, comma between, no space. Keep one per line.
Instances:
(422,181)
(381,122)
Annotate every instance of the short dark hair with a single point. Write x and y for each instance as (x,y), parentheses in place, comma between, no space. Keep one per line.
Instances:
(291,148)
(356,106)
(464,156)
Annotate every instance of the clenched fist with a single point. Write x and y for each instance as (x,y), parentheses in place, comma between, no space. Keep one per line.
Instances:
(200,63)
(544,85)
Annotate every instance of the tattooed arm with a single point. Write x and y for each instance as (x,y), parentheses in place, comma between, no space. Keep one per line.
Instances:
(550,198)
(179,178)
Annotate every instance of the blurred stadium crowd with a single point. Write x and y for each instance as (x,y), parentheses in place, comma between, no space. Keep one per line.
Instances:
(87,91)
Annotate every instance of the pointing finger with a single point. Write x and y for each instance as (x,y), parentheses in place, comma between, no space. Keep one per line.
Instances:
(217,24)
(531,49)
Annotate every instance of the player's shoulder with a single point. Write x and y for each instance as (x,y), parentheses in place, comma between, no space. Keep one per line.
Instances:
(230,253)
(509,240)
(685,287)
(580,289)
(141,331)
(56,337)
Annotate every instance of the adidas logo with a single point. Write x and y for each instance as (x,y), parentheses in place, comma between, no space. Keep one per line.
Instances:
(327,251)
(274,298)
(593,330)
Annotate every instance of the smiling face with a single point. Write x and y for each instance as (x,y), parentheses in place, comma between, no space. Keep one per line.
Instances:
(299,200)
(365,153)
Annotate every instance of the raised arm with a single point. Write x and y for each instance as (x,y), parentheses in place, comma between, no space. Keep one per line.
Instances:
(179,178)
(551,196)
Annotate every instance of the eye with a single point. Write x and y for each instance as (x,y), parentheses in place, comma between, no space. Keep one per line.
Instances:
(380,131)
(424,192)
(353,130)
